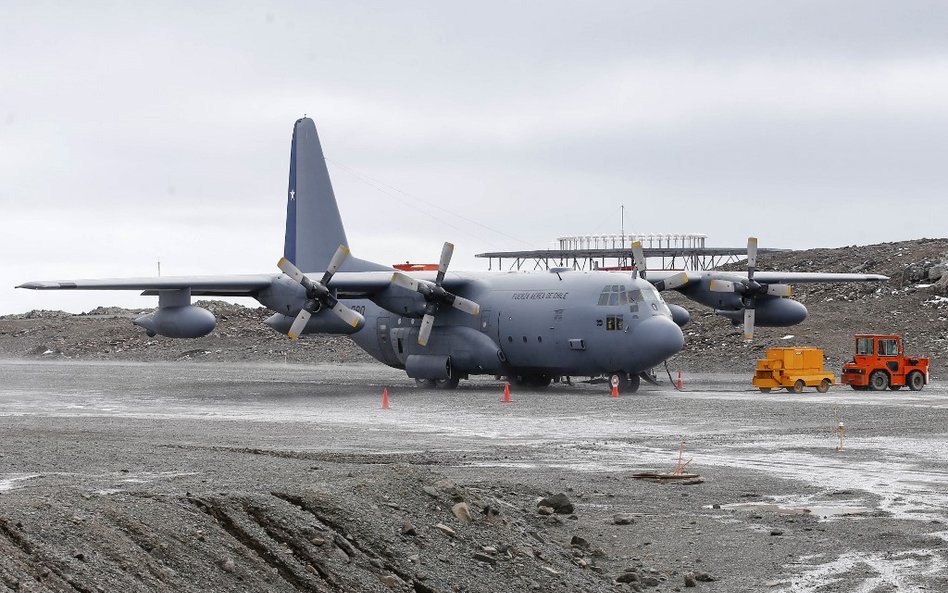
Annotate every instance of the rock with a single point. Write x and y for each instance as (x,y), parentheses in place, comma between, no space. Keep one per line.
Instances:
(690,581)
(936,272)
(579,542)
(446,530)
(431,491)
(703,577)
(390,580)
(462,512)
(408,529)
(623,519)
(650,581)
(545,510)
(227,565)
(560,504)
(776,532)
(449,488)
(485,558)
(317,541)
(628,577)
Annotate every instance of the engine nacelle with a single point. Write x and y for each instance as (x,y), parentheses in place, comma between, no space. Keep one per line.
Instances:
(771,312)
(186,321)
(680,315)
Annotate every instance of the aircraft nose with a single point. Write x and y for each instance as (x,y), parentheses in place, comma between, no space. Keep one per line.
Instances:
(659,338)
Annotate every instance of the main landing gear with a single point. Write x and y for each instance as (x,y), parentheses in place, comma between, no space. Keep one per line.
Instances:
(624,381)
(451,383)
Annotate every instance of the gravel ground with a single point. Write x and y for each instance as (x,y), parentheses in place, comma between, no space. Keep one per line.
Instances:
(196,476)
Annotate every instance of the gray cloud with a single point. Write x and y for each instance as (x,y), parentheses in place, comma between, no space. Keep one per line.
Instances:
(132,132)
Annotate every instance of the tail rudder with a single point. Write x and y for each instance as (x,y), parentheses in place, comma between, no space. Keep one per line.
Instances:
(314,227)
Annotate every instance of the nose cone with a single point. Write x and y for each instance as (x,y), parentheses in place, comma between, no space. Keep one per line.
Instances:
(656,339)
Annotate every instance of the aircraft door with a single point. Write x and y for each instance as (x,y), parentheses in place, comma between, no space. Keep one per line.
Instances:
(386,347)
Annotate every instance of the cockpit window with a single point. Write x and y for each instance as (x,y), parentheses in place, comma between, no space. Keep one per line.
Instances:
(613,294)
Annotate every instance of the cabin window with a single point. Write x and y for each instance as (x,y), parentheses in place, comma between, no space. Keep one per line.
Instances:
(888,347)
(864,346)
(613,322)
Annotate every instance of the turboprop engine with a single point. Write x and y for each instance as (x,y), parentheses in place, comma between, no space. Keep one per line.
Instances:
(176,317)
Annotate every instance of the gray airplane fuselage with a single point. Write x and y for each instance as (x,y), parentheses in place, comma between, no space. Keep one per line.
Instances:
(571,323)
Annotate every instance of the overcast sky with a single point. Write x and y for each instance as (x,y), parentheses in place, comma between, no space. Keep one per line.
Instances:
(131,132)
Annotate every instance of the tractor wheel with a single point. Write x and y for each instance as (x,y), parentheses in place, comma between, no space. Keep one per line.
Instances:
(915,380)
(765,389)
(824,386)
(878,381)
(798,386)
(425,383)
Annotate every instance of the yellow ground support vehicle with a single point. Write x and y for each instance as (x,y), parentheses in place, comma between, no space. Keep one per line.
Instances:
(792,369)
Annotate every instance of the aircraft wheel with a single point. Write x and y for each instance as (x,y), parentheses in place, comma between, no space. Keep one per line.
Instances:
(798,386)
(451,383)
(425,383)
(878,381)
(915,380)
(765,389)
(632,383)
(824,386)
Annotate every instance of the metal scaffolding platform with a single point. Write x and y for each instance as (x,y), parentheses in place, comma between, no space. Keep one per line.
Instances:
(684,251)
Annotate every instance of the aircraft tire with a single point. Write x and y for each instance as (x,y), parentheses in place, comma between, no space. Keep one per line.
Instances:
(446,384)
(632,383)
(425,383)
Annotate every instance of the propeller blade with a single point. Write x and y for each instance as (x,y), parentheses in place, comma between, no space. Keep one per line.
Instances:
(638,255)
(676,281)
(287,267)
(722,286)
(751,257)
(427,322)
(463,304)
(298,324)
(351,317)
(404,281)
(446,252)
(781,290)
(338,258)
(748,324)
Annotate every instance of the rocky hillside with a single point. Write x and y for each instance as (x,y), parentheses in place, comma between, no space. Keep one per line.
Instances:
(914,303)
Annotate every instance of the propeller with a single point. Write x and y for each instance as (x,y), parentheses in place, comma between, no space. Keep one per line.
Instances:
(638,269)
(750,289)
(435,295)
(318,295)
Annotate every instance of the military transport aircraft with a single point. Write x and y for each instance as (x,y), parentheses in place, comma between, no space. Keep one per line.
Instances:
(441,327)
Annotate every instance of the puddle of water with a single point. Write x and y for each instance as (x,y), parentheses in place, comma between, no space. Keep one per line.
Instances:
(878,571)
(824,511)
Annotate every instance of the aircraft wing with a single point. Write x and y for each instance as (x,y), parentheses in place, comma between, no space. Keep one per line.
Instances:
(771,277)
(350,283)
(233,285)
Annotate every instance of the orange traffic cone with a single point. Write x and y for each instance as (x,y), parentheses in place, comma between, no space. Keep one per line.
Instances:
(615,391)
(679,384)
(506,399)
(385,398)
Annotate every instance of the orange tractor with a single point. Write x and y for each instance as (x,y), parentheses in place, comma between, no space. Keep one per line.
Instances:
(879,364)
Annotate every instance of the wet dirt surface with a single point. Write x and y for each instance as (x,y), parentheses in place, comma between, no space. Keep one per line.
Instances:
(270,477)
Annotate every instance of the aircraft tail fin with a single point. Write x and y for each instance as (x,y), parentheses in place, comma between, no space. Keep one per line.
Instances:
(313,225)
